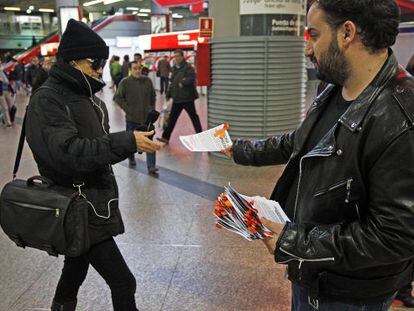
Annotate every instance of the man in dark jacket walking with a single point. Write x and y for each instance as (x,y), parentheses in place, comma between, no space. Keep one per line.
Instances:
(68,132)
(136,96)
(348,184)
(183,92)
(164,70)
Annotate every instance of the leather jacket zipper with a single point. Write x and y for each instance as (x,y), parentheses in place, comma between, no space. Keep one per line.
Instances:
(340,184)
(326,154)
(302,260)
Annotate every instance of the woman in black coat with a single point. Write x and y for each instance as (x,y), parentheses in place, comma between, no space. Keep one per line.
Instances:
(68,132)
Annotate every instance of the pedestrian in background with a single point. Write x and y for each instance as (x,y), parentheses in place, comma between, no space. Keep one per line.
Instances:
(116,71)
(183,92)
(125,67)
(164,70)
(136,96)
(138,58)
(4,103)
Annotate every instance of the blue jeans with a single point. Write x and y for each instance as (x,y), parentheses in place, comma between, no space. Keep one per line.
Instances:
(131,126)
(301,302)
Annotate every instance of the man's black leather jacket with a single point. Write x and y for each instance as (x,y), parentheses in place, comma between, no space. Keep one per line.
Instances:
(352,232)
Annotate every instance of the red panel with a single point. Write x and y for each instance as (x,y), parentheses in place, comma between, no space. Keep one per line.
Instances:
(177,2)
(175,41)
(197,8)
(203,65)
(407,7)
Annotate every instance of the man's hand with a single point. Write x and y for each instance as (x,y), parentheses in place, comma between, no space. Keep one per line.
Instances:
(228,152)
(276,229)
(144,143)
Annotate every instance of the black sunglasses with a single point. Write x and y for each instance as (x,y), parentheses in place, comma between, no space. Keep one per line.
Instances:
(97,63)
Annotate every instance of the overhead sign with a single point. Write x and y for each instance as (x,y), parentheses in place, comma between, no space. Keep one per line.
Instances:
(206,27)
(252,7)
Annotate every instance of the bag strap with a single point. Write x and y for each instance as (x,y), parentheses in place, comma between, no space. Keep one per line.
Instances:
(20,146)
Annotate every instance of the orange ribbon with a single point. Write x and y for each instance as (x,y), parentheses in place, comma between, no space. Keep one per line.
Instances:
(220,133)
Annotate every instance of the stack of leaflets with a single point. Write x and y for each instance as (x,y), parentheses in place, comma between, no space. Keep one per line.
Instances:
(241,214)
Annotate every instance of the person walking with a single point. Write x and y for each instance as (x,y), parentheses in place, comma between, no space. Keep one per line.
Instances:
(183,92)
(6,97)
(67,129)
(136,96)
(116,71)
(164,70)
(125,67)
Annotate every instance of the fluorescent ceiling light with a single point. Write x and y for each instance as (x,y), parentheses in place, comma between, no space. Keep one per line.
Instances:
(28,11)
(111,1)
(47,10)
(145,10)
(175,15)
(11,8)
(135,12)
(142,14)
(92,2)
(130,8)
(31,7)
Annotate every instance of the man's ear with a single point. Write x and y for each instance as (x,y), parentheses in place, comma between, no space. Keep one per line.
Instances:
(348,33)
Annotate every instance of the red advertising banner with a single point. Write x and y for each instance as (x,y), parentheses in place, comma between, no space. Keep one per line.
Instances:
(171,41)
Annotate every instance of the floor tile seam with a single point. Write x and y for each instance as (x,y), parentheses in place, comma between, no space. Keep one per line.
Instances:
(171,279)
(12,304)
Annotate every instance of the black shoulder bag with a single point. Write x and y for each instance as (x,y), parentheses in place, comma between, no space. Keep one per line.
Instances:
(39,214)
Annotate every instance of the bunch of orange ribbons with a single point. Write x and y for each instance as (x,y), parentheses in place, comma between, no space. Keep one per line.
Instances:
(236,214)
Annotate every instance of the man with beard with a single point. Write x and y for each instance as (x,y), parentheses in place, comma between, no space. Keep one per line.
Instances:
(67,129)
(348,184)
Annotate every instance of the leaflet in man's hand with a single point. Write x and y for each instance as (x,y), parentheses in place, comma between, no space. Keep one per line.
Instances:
(241,214)
(215,139)
(268,209)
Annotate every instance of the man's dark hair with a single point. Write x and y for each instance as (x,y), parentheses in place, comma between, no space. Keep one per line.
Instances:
(138,54)
(181,52)
(133,62)
(126,57)
(116,58)
(377,20)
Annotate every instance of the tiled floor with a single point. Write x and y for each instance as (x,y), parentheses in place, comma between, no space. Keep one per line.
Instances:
(180,260)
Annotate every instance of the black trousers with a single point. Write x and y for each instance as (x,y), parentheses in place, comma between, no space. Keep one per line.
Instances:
(163,84)
(175,113)
(107,260)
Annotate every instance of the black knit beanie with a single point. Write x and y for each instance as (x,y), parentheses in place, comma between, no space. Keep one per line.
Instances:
(79,42)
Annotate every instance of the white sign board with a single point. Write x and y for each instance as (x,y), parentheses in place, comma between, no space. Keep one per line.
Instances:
(65,14)
(294,7)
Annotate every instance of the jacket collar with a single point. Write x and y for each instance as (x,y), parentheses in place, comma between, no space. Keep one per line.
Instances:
(355,114)
(62,73)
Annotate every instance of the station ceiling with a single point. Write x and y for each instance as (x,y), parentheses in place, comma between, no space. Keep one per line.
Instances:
(407,6)
(51,4)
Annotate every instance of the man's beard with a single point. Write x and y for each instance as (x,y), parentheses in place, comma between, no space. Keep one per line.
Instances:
(332,66)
